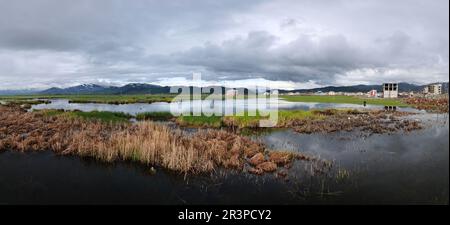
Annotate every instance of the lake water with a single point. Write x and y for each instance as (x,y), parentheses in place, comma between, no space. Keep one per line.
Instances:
(216,106)
(410,168)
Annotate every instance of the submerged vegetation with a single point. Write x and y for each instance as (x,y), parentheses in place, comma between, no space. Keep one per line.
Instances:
(145,142)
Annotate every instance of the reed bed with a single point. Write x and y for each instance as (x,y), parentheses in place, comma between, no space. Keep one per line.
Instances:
(144,142)
(368,122)
(155,116)
(315,121)
(436,104)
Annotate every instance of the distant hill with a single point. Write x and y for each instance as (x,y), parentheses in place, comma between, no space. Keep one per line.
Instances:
(142,88)
(19,92)
(80,89)
(139,88)
(133,88)
(407,87)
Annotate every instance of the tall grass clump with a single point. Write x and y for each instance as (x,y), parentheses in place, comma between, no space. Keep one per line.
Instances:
(144,142)
(244,121)
(285,118)
(200,121)
(156,116)
(102,116)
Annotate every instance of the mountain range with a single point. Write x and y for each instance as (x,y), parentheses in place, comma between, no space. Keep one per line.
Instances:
(402,86)
(132,88)
(142,88)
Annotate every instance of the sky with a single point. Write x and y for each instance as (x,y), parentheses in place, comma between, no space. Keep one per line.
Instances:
(285,44)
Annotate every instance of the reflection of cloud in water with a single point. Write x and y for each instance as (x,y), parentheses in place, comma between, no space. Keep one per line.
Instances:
(207,105)
(394,153)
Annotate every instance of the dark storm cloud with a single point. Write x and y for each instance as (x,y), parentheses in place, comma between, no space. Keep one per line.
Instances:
(89,23)
(305,58)
(54,42)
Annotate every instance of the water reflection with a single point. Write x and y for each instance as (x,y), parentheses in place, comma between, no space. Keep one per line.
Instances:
(397,168)
(212,105)
(390,108)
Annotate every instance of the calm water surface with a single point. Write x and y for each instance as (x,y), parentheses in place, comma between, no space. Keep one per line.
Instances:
(408,168)
(239,106)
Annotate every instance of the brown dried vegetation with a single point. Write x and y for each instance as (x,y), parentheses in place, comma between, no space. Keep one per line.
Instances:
(145,142)
(438,104)
(374,121)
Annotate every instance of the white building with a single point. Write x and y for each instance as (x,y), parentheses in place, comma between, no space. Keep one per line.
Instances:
(390,90)
(433,89)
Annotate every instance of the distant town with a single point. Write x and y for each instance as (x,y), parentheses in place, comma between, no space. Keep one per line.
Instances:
(389,90)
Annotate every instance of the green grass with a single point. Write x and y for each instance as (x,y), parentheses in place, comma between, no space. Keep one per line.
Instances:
(102,116)
(246,121)
(285,116)
(94,115)
(344,99)
(50,112)
(200,121)
(158,116)
(107,99)
(24,101)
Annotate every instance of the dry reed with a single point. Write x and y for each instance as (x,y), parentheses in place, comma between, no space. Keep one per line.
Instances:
(145,142)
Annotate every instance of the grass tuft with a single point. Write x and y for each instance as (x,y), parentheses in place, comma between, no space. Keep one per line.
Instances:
(156,116)
(200,121)
(102,116)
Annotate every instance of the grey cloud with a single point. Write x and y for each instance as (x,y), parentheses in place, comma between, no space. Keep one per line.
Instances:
(57,41)
(300,60)
(306,58)
(88,23)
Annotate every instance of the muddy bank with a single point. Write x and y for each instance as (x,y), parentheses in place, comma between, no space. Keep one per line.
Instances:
(144,142)
(368,122)
(331,120)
